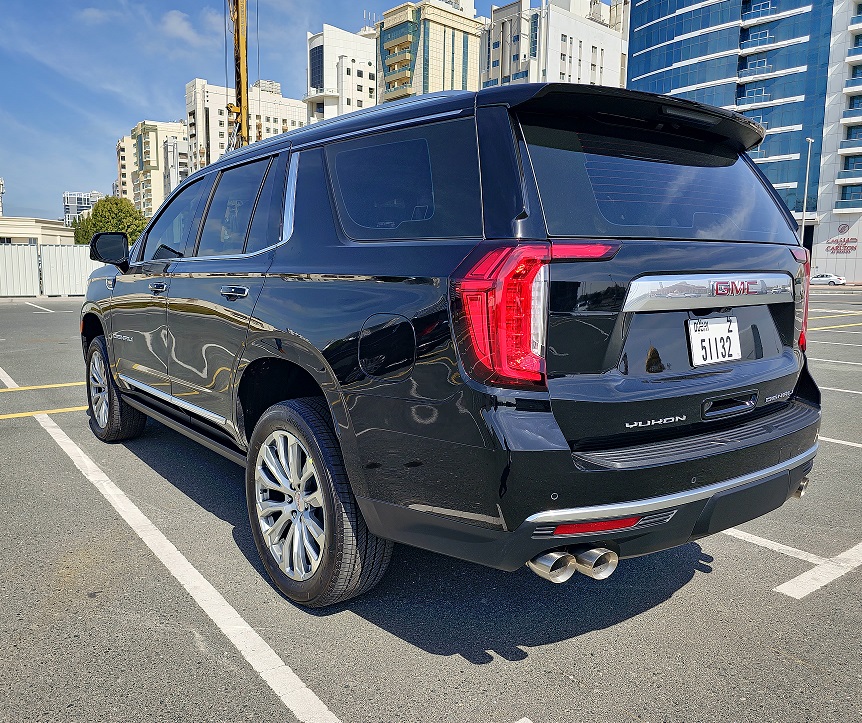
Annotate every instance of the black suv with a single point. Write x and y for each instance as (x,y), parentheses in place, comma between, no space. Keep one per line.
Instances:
(546,324)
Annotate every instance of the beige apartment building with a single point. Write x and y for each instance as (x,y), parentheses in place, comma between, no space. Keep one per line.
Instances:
(125,167)
(34,231)
(148,185)
(428,46)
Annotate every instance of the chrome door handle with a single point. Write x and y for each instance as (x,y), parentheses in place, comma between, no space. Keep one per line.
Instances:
(158,287)
(234,292)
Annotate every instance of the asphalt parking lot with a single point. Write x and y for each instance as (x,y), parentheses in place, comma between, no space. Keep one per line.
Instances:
(131,589)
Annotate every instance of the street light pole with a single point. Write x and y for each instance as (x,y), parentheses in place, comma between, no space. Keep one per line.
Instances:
(810,141)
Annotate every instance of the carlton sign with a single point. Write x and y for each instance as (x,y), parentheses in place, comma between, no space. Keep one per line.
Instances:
(842,245)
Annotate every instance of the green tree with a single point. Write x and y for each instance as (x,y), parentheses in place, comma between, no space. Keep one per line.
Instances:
(110,214)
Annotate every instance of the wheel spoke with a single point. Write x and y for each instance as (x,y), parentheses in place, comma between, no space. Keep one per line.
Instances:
(285,552)
(311,553)
(296,548)
(275,469)
(275,531)
(314,529)
(265,508)
(313,499)
(294,451)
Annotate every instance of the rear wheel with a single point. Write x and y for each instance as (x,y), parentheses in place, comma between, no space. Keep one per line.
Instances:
(832,283)
(111,419)
(304,518)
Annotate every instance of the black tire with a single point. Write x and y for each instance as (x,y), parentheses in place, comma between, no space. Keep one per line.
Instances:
(832,283)
(118,421)
(352,560)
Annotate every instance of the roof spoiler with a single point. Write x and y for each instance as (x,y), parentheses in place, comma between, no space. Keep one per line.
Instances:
(731,128)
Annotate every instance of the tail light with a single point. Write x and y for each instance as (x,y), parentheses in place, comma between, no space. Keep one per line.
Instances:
(502,320)
(803,257)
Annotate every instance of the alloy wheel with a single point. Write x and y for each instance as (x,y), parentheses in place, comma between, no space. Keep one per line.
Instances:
(99,389)
(289,505)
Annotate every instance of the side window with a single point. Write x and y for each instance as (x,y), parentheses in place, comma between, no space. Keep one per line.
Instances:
(227,219)
(266,224)
(166,238)
(312,215)
(425,185)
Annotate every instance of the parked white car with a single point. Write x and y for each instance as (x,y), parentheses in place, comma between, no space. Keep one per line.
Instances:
(830,279)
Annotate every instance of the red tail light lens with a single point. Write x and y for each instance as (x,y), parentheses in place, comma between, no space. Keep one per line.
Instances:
(504,299)
(802,256)
(579,528)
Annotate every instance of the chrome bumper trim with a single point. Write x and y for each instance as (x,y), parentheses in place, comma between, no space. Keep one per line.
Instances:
(176,401)
(624,509)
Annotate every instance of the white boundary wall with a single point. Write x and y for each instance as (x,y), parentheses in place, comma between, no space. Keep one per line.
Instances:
(64,270)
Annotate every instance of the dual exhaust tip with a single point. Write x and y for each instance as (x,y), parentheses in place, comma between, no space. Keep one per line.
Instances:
(558,566)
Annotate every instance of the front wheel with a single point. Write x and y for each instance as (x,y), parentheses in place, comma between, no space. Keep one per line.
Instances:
(111,419)
(304,518)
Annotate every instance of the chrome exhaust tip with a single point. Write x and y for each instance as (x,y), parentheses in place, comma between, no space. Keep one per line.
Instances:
(799,492)
(598,563)
(555,566)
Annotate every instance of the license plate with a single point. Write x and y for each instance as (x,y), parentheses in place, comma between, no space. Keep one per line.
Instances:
(713,340)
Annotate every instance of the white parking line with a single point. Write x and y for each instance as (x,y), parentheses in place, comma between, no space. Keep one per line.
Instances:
(299,699)
(836,331)
(835,361)
(836,343)
(826,572)
(44,310)
(840,441)
(834,389)
(843,311)
(775,546)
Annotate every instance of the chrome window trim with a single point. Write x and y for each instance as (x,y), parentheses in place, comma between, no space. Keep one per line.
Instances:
(625,509)
(182,403)
(644,292)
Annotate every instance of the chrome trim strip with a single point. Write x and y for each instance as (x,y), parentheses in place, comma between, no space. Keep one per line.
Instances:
(176,401)
(699,291)
(623,509)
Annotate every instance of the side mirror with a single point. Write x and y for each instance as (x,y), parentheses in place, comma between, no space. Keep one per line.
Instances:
(111,248)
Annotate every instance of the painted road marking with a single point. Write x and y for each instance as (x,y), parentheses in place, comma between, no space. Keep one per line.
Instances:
(835,361)
(834,326)
(775,546)
(826,572)
(36,306)
(17,415)
(836,343)
(57,386)
(834,389)
(835,316)
(299,699)
(840,441)
(838,332)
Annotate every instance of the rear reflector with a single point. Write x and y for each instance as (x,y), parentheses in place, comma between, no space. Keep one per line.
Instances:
(578,528)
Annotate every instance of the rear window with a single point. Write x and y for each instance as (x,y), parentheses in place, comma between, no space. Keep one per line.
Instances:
(416,183)
(606,180)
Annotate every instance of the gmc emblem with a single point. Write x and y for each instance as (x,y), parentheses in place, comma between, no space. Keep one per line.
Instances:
(735,288)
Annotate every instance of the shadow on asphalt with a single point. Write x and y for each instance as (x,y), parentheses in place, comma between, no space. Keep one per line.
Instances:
(438,604)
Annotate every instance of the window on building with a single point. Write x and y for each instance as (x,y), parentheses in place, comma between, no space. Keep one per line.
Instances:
(268,130)
(854,133)
(257,117)
(359,73)
(301,124)
(348,71)
(359,88)
(857,41)
(358,103)
(221,124)
(855,101)
(563,57)
(221,111)
(426,183)
(221,146)
(293,123)
(515,58)
(516,38)
(562,76)
(348,101)
(227,220)
(495,63)
(857,71)
(851,193)
(221,135)
(371,76)
(496,44)
(5,240)
(563,38)
(371,92)
(318,108)
(853,163)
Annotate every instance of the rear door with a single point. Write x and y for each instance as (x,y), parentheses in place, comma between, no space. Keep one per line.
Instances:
(693,315)
(213,291)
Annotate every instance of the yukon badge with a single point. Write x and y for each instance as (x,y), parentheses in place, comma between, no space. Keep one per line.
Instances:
(655,422)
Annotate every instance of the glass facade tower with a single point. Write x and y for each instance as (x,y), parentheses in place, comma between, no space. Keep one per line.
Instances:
(766,59)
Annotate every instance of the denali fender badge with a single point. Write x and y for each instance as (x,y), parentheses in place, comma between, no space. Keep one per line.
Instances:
(654,422)
(776,397)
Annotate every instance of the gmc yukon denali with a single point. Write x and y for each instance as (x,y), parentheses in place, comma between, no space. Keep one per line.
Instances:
(553,325)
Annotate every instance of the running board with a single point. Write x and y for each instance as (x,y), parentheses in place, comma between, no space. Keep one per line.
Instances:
(199,437)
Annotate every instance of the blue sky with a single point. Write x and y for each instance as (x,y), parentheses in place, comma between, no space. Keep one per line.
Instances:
(76,76)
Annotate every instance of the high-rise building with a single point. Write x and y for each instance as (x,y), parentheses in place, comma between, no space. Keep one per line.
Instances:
(125,166)
(76,203)
(175,162)
(838,221)
(428,46)
(210,125)
(148,185)
(766,59)
(342,72)
(570,41)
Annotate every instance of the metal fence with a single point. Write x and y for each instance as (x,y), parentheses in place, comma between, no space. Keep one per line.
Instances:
(47,270)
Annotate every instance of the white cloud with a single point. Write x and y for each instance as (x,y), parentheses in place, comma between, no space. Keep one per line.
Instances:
(176,25)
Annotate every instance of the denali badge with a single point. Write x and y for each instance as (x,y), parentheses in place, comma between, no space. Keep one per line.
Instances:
(653,422)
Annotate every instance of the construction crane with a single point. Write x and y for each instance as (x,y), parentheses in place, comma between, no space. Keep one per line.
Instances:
(2,191)
(239,17)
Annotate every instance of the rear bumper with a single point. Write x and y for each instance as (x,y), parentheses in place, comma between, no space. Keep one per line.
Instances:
(668,520)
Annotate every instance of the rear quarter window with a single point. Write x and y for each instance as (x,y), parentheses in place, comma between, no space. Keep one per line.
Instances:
(612,180)
(416,183)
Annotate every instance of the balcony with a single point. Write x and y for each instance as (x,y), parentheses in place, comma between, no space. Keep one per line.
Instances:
(317,94)
(752,99)
(398,74)
(845,177)
(850,146)
(849,205)
(853,86)
(851,116)
(398,57)
(407,37)
(758,70)
(855,22)
(757,42)
(399,91)
(854,55)
(757,14)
